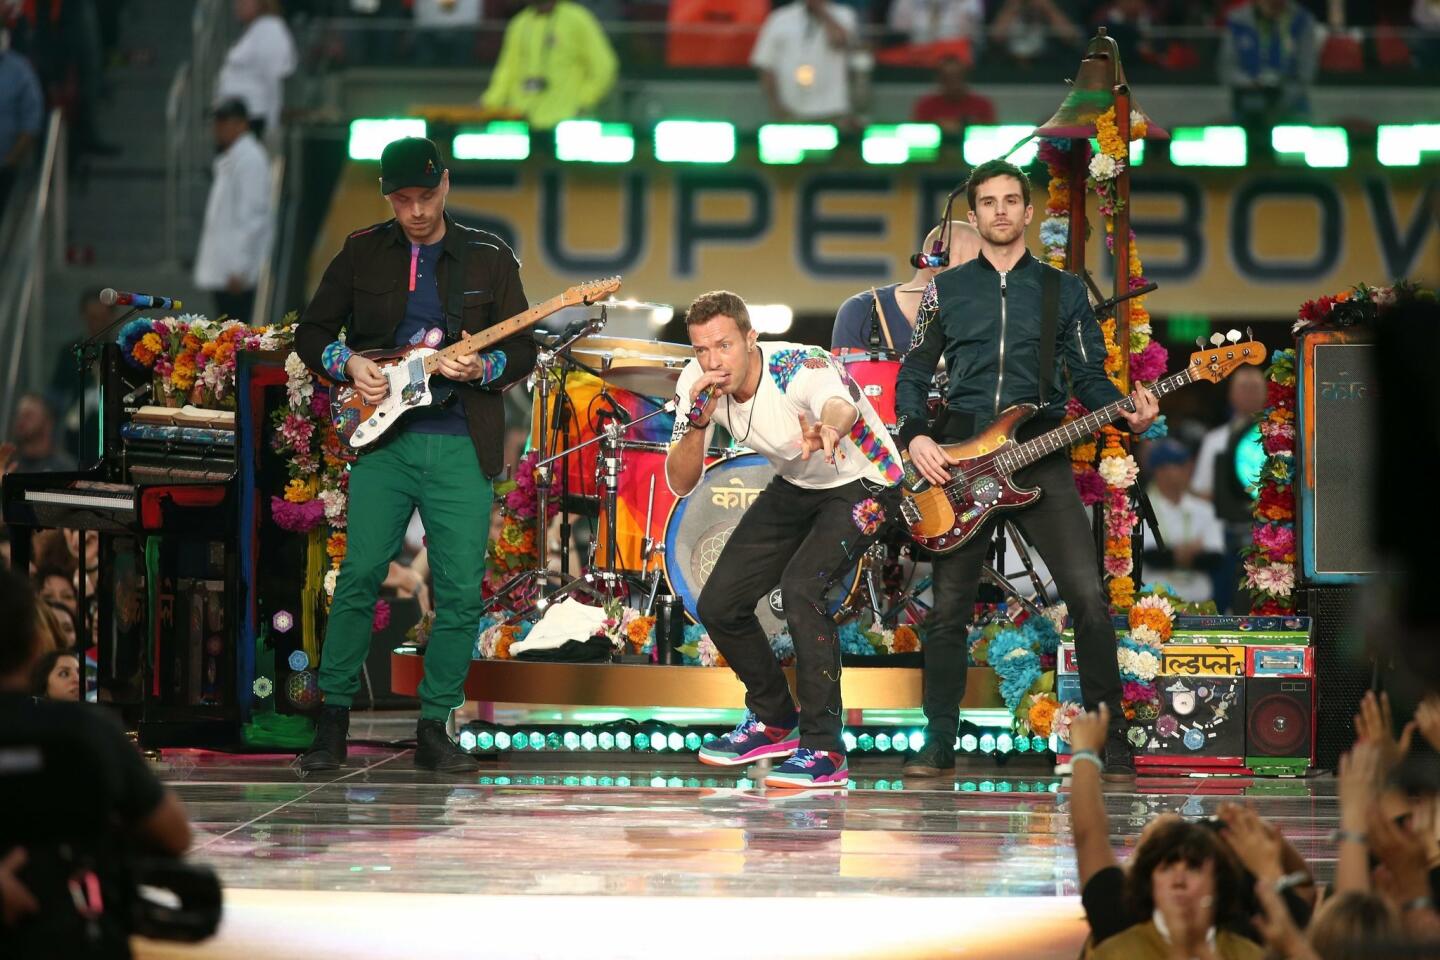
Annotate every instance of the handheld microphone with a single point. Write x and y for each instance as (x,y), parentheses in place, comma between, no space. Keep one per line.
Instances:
(140,301)
(698,410)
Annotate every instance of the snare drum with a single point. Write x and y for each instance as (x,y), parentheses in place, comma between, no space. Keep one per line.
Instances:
(701,524)
(876,379)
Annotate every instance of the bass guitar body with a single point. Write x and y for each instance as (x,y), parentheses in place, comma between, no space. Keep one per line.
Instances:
(359,423)
(944,519)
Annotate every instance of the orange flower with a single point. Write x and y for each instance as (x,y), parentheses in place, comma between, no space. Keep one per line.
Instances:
(1122,592)
(335,546)
(637,631)
(1042,715)
(906,640)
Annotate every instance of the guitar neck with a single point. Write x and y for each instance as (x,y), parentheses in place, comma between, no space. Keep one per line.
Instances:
(1068,433)
(476,342)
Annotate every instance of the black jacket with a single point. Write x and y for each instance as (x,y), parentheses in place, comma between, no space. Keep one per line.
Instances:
(364,291)
(987,327)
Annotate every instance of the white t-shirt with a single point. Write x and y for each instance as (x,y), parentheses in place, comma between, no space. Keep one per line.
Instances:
(457,13)
(1202,481)
(256,67)
(927,21)
(812,78)
(1192,520)
(798,379)
(235,240)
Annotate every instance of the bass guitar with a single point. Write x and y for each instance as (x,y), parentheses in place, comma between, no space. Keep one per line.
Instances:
(944,518)
(409,369)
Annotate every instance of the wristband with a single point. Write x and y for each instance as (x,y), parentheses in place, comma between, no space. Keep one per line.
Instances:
(1297,879)
(1349,836)
(1088,755)
(1419,903)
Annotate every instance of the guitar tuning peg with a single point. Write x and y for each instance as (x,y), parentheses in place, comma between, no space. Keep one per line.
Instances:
(1200,342)
(1233,336)
(1217,338)
(1248,334)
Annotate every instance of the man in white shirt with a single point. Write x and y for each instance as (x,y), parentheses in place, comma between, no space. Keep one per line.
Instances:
(836,474)
(1194,538)
(257,64)
(931,21)
(803,55)
(235,239)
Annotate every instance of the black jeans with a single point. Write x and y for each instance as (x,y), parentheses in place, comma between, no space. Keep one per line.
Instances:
(797,538)
(1056,525)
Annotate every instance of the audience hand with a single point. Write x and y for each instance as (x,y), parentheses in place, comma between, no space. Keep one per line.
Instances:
(1359,777)
(1427,718)
(14,896)
(1088,731)
(1276,927)
(1375,723)
(1253,842)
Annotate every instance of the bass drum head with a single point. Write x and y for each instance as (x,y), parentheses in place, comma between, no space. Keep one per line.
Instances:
(700,525)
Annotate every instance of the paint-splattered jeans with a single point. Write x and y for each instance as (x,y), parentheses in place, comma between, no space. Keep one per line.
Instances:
(797,538)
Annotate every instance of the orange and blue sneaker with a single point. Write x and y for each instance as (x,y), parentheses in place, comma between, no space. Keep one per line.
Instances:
(751,740)
(808,769)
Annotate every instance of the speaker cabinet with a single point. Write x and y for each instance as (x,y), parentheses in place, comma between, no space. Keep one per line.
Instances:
(1342,669)
(1280,719)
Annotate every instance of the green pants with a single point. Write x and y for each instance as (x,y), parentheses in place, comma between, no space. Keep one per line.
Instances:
(440,475)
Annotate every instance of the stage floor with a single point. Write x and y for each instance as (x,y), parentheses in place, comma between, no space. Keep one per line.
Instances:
(565,855)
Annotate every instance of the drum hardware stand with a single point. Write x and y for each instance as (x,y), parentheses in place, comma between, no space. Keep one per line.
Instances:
(990,572)
(650,549)
(540,381)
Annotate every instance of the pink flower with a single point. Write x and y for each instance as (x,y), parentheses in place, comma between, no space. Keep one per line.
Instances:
(1135,692)
(1118,566)
(1276,539)
(320,404)
(1276,579)
(1149,364)
(1074,408)
(297,517)
(1091,486)
(382,616)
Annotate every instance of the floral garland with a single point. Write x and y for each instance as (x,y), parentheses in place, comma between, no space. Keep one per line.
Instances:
(193,359)
(1360,304)
(514,548)
(1022,653)
(1117,470)
(316,461)
(1151,619)
(1270,559)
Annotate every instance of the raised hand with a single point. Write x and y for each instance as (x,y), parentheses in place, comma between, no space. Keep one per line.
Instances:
(1375,724)
(1254,843)
(817,436)
(1088,731)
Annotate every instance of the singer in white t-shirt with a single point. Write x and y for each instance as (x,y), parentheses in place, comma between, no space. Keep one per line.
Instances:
(837,471)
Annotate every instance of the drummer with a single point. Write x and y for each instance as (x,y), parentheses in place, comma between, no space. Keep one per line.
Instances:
(900,303)
(836,470)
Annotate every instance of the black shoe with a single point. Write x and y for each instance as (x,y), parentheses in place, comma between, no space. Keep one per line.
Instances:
(434,750)
(327,750)
(935,759)
(1119,755)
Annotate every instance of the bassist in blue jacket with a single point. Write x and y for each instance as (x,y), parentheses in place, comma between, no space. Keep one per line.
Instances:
(986,318)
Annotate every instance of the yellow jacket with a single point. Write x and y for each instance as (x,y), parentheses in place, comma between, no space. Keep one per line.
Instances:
(552,66)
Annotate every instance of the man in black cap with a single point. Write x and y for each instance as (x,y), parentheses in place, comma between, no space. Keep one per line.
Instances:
(420,277)
(235,239)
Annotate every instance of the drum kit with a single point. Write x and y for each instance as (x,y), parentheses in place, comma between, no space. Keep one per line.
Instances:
(603,412)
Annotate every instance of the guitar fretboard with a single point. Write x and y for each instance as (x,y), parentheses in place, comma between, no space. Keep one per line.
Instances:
(1067,434)
(475,342)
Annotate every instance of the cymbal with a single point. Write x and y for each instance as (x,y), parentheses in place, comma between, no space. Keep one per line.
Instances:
(646,381)
(631,350)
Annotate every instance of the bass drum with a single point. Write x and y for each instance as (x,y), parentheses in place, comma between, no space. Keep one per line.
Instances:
(700,525)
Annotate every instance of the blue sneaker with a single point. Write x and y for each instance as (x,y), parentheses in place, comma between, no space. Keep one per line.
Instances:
(807,769)
(751,740)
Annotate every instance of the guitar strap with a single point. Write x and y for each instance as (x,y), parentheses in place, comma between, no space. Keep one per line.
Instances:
(1049,322)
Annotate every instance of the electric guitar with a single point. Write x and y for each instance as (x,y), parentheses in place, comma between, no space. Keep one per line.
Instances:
(944,518)
(409,369)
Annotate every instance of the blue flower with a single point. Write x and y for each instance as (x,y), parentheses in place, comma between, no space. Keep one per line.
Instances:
(1157,431)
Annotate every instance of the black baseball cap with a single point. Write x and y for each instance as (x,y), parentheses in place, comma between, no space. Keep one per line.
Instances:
(232,108)
(410,162)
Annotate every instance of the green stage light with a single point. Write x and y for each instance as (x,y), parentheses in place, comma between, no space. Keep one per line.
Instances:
(968,786)
(622,781)
(985,142)
(657,781)
(1313,146)
(882,784)
(485,740)
(550,741)
(675,741)
(1250,460)
(900,743)
(848,739)
(590,141)
(894,143)
(1406,144)
(502,781)
(467,740)
(968,743)
(694,141)
(1003,786)
(882,742)
(674,782)
(587,781)
(500,140)
(588,741)
(606,740)
(1185,327)
(607,781)
(520,741)
(1022,744)
(368,137)
(538,741)
(987,743)
(1004,743)
(865,742)
(623,740)
(692,742)
(987,786)
(571,740)
(571,781)
(502,740)
(917,739)
(1208,146)
(642,741)
(782,143)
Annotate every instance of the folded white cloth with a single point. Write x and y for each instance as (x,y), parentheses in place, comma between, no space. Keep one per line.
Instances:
(567,620)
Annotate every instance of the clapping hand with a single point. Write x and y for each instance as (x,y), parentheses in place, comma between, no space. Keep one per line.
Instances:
(1375,724)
